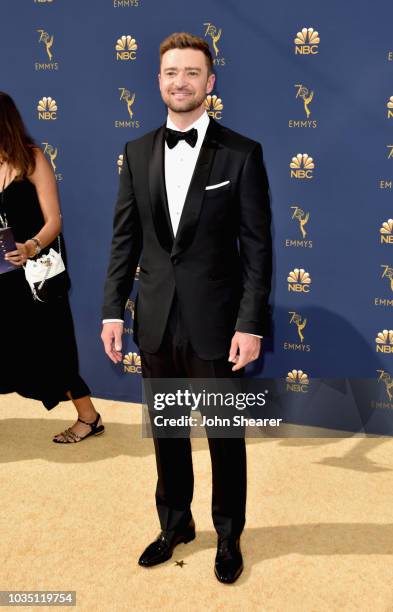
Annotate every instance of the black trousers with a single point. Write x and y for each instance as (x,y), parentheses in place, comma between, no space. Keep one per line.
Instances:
(176,359)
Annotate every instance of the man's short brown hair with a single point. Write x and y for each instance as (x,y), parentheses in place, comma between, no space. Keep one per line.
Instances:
(184,40)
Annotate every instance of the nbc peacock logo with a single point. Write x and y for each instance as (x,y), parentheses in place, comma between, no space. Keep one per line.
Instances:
(132,363)
(302,166)
(306,42)
(390,107)
(384,341)
(297,381)
(120,163)
(47,109)
(386,232)
(126,47)
(299,281)
(214,106)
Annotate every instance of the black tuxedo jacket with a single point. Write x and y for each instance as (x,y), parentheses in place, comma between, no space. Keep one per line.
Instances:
(219,264)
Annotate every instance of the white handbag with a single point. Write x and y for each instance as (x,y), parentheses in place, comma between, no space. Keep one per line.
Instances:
(38,271)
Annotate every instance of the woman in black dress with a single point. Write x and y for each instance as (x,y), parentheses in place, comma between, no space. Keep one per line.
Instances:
(39,357)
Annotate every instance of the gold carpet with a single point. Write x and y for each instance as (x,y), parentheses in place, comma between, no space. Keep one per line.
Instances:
(319,533)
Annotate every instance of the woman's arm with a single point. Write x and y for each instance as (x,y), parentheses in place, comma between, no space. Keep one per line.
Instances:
(44,181)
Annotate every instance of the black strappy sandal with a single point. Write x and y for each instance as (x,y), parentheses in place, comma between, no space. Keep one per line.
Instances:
(70,437)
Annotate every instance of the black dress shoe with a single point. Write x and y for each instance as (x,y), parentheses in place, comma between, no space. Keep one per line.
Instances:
(162,549)
(229,561)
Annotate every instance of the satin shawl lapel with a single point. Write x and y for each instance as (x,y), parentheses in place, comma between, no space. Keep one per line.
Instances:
(196,192)
(158,197)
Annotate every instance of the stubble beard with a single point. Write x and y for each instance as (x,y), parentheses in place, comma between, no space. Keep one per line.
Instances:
(184,106)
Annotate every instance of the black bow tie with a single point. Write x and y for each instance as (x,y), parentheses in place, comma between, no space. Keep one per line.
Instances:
(172,137)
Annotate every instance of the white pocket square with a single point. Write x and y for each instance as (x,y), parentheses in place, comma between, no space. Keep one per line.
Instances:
(218,185)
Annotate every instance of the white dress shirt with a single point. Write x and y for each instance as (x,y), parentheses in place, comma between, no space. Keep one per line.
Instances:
(179,166)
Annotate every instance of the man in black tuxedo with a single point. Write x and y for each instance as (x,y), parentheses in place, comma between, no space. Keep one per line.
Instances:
(193,206)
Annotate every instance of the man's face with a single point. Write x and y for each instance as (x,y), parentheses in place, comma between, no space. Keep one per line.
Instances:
(184,80)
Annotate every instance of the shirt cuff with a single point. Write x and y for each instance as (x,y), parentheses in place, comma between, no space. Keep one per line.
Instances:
(256,335)
(112,321)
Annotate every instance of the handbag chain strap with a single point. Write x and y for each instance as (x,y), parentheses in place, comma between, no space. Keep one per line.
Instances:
(3,216)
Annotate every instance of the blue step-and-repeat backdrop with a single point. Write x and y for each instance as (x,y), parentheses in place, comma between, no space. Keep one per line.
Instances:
(313,82)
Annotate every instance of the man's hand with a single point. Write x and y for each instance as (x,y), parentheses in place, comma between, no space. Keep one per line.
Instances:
(248,347)
(111,337)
